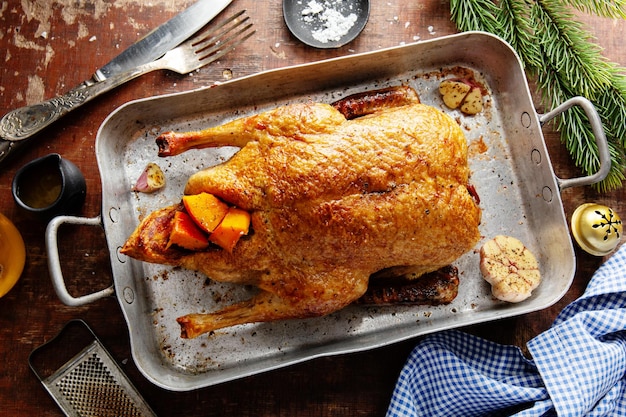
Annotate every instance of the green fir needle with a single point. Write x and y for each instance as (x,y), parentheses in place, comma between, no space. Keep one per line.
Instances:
(565,62)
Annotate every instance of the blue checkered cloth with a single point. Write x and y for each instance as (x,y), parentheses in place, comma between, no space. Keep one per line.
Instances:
(578,366)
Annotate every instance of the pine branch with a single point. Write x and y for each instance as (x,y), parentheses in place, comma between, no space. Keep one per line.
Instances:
(561,56)
(519,32)
(569,51)
(475,15)
(614,9)
(612,104)
(573,66)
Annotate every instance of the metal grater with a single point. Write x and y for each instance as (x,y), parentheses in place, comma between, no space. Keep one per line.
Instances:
(91,384)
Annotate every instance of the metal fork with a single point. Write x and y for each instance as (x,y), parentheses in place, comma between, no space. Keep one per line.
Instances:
(191,55)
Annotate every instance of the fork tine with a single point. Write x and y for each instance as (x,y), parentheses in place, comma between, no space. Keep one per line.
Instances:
(210,46)
(221,37)
(222,49)
(214,35)
(215,46)
(202,36)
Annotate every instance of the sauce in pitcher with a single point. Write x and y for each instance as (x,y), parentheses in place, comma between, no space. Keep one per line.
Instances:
(41,187)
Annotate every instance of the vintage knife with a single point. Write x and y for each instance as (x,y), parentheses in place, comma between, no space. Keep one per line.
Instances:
(19,125)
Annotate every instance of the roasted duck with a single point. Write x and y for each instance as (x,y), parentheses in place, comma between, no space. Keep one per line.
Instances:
(331,201)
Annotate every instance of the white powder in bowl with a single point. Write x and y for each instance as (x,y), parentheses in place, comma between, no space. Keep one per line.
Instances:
(332,24)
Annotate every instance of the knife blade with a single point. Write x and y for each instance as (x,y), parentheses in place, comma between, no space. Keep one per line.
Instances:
(163,38)
(19,125)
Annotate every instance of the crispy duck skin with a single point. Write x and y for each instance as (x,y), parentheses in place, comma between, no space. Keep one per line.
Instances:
(331,200)
(351,107)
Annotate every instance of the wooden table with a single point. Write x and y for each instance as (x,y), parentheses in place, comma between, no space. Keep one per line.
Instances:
(51,47)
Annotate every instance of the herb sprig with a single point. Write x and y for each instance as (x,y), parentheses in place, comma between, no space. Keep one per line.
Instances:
(564,60)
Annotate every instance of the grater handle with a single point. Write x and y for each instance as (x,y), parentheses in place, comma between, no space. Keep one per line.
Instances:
(83,378)
(44,366)
(54,263)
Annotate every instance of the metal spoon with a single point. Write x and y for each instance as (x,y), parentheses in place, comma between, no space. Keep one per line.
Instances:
(326,23)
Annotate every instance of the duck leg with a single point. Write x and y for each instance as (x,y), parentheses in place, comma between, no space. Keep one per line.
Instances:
(289,122)
(321,294)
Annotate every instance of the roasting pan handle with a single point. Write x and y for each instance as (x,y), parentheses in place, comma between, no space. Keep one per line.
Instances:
(598,132)
(54,264)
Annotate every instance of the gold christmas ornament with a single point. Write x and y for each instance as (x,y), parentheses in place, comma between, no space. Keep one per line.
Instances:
(596,228)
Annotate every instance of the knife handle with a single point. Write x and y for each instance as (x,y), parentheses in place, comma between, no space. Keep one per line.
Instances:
(21,124)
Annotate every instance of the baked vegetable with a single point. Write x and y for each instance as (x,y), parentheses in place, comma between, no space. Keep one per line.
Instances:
(150,180)
(510,268)
(234,225)
(473,102)
(206,210)
(453,92)
(186,234)
(462,94)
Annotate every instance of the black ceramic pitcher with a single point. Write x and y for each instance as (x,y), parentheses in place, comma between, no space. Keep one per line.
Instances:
(49,186)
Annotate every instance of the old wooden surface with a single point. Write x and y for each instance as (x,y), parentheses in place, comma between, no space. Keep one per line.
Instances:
(49,47)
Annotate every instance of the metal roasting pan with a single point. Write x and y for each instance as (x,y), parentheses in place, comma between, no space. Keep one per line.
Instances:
(511,170)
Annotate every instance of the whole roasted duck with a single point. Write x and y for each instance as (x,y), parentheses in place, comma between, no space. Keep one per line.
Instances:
(331,201)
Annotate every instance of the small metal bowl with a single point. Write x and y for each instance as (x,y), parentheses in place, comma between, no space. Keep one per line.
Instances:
(326,23)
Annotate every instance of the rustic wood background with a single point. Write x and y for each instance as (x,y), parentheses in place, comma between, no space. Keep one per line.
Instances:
(48,47)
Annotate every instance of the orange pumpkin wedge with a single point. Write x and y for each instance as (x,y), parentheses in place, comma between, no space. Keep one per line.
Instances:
(206,210)
(235,224)
(186,234)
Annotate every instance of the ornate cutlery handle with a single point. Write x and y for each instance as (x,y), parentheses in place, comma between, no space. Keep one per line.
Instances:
(26,121)
(19,125)
(22,123)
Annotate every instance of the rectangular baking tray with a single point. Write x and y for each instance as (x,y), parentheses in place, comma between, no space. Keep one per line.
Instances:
(511,171)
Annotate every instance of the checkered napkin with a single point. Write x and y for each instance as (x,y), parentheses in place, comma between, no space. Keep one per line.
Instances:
(578,366)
